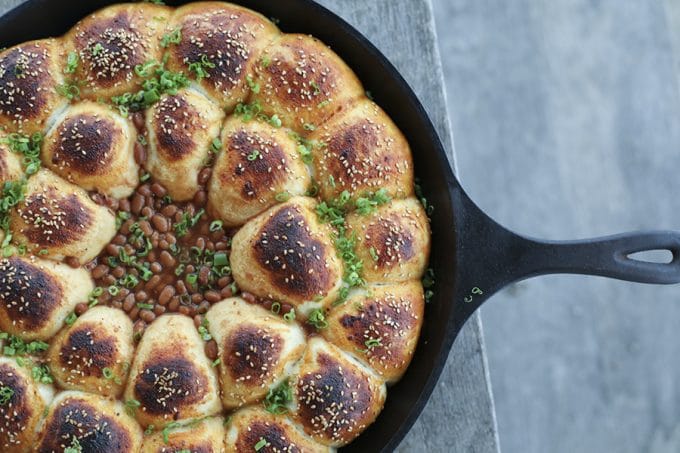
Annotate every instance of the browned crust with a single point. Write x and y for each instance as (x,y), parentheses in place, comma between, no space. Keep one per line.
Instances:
(383,328)
(26,82)
(16,413)
(254,175)
(78,418)
(273,433)
(87,352)
(28,294)
(250,354)
(109,48)
(84,144)
(230,37)
(168,384)
(54,219)
(174,126)
(334,400)
(293,257)
(392,240)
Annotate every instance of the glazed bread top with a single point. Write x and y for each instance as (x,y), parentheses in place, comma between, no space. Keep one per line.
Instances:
(142,124)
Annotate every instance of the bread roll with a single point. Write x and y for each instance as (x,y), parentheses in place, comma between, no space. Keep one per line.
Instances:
(10,164)
(181,130)
(171,377)
(286,254)
(199,435)
(111,42)
(259,163)
(254,427)
(93,147)
(393,242)
(360,150)
(37,295)
(335,396)
(303,82)
(60,218)
(92,422)
(256,349)
(29,76)
(21,409)
(226,36)
(380,326)
(95,353)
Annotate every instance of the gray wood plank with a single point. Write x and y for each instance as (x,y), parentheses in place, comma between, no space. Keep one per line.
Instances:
(567,122)
(460,415)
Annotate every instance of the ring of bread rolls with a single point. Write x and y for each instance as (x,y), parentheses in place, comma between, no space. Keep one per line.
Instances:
(210,238)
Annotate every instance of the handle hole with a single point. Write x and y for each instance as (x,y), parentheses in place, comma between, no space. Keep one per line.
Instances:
(659,256)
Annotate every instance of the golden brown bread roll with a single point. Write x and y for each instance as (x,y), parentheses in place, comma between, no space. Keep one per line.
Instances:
(93,147)
(60,218)
(29,76)
(225,40)
(88,423)
(254,427)
(256,349)
(37,295)
(259,163)
(181,130)
(336,397)
(286,254)
(171,377)
(393,241)
(21,407)
(95,353)
(380,326)
(303,82)
(111,42)
(360,150)
(10,164)
(199,435)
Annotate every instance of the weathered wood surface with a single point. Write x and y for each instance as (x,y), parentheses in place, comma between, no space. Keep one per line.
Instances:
(460,415)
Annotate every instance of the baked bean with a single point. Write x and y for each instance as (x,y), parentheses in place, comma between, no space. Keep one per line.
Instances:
(146,211)
(212,296)
(203,275)
(99,271)
(160,223)
(167,259)
(137,203)
(204,176)
(152,283)
(124,205)
(248,297)
(129,302)
(211,350)
(169,211)
(134,313)
(226,292)
(147,315)
(140,154)
(138,120)
(155,267)
(72,261)
(166,294)
(183,309)
(145,226)
(158,190)
(118,272)
(80,308)
(159,310)
(138,329)
(141,296)
(174,304)
(144,190)
(200,198)
(119,239)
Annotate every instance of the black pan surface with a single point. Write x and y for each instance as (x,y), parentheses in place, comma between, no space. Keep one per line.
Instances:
(472,256)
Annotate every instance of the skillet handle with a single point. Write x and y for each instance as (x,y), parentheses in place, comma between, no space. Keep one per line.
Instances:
(490,257)
(607,257)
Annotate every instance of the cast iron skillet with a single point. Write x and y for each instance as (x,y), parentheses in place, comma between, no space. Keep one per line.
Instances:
(472,256)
